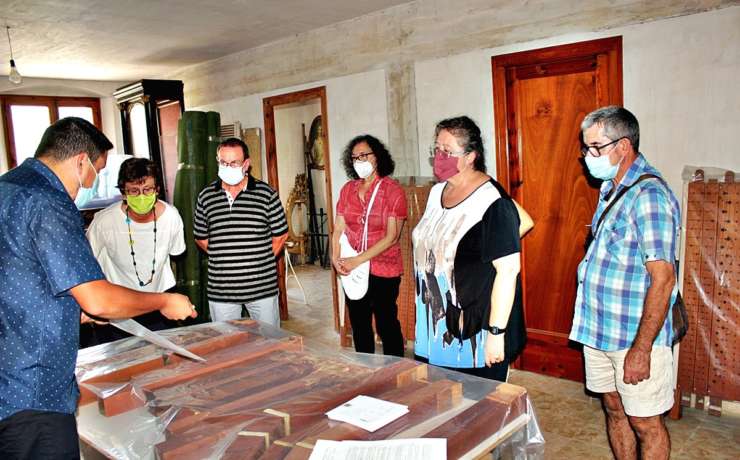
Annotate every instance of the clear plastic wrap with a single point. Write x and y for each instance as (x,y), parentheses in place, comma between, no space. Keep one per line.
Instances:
(708,363)
(264,394)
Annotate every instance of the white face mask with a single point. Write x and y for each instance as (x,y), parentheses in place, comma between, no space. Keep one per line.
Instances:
(231,176)
(363,168)
(601,167)
(84,194)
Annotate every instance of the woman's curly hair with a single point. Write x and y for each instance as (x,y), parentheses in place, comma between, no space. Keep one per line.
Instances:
(385,163)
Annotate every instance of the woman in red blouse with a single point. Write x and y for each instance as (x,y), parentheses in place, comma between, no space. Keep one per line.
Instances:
(367,161)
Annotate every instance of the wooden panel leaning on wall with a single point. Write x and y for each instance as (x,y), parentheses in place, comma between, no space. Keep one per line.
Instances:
(709,356)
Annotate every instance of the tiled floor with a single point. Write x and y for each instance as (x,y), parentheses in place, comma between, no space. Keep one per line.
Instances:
(571,421)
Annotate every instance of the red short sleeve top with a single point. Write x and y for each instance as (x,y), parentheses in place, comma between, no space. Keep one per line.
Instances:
(390,201)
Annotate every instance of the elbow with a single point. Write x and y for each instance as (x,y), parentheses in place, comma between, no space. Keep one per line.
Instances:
(663,281)
(93,308)
(92,297)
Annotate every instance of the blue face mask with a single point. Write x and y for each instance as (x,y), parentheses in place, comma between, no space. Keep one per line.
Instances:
(601,167)
(84,194)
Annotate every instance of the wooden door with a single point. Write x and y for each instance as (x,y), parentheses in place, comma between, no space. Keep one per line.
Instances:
(540,99)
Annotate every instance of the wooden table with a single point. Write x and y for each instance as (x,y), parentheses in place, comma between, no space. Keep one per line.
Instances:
(263,394)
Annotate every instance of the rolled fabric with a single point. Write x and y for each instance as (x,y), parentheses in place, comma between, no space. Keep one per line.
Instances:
(192,148)
(196,136)
(213,120)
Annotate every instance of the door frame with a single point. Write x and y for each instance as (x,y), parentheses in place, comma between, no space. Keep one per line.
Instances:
(506,138)
(268,109)
(505,135)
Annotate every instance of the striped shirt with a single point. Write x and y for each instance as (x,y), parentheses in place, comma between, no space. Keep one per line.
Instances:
(241,265)
(612,277)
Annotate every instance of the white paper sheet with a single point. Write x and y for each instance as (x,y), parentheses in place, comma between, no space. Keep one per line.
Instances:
(367,413)
(401,449)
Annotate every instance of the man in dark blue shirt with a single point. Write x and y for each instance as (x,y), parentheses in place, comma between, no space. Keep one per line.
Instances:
(47,273)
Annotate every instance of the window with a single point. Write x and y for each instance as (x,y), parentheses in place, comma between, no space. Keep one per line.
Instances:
(139,136)
(26,118)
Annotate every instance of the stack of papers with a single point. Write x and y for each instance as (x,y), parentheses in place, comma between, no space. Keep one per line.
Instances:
(396,449)
(368,413)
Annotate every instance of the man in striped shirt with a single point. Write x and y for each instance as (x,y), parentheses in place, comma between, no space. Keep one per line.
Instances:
(239,221)
(626,283)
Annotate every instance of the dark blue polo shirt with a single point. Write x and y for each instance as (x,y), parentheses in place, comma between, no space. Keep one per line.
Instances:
(43,253)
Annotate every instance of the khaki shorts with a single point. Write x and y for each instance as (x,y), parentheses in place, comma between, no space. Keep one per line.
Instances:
(654,396)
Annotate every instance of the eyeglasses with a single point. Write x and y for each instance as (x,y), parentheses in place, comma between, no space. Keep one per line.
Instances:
(232,164)
(434,150)
(361,156)
(595,150)
(137,192)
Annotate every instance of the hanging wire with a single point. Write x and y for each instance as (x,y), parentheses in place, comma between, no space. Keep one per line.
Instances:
(7,31)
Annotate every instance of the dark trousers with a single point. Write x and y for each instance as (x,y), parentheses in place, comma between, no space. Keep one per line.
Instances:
(380,301)
(34,434)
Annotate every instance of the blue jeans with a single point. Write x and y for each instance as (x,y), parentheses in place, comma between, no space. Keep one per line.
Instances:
(265,310)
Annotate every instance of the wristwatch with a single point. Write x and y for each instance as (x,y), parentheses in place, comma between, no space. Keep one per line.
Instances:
(494,330)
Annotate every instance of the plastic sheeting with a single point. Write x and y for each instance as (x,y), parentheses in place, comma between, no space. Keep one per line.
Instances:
(263,394)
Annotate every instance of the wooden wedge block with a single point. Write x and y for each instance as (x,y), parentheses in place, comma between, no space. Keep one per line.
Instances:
(225,385)
(241,433)
(305,412)
(424,400)
(474,425)
(323,377)
(261,392)
(132,395)
(299,452)
(278,450)
(124,374)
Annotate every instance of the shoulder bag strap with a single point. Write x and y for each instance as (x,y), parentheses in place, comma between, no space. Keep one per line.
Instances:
(367,216)
(619,195)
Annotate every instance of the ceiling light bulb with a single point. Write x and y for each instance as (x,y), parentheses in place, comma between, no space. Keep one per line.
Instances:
(15,76)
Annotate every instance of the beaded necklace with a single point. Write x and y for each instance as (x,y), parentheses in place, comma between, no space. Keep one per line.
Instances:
(131,243)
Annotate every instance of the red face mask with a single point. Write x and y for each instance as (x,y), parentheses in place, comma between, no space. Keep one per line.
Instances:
(445,166)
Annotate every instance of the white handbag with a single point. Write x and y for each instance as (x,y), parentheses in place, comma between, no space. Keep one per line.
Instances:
(355,283)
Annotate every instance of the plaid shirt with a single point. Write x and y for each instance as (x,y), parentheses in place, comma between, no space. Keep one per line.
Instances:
(612,277)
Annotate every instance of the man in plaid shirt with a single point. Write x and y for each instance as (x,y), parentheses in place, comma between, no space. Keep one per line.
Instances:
(626,283)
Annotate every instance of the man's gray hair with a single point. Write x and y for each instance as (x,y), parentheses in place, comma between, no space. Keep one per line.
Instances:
(617,122)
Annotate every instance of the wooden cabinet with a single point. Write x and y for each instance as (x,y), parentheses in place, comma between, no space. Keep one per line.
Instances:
(150,110)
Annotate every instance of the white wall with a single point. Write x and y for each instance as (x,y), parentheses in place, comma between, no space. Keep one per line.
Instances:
(109,113)
(289,142)
(356,104)
(680,79)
